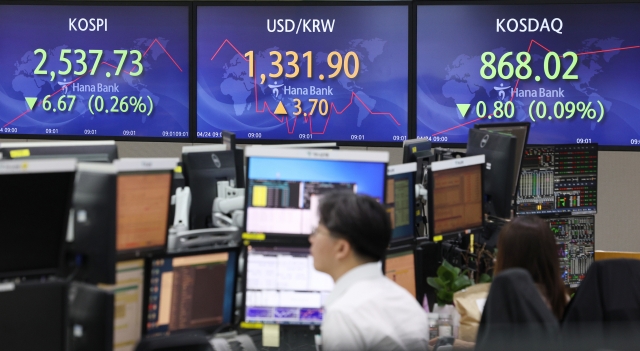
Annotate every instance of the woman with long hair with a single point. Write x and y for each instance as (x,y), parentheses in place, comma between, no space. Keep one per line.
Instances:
(528,243)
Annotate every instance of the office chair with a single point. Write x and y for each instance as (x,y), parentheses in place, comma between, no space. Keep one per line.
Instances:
(605,311)
(515,316)
(186,341)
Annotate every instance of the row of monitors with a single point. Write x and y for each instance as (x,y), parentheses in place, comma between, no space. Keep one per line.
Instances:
(310,72)
(173,293)
(126,205)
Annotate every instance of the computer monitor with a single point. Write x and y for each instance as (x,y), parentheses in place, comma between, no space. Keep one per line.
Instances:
(559,180)
(203,167)
(83,151)
(34,212)
(521,131)
(94,223)
(128,293)
(33,316)
(400,266)
(229,140)
(400,201)
(455,197)
(499,150)
(413,146)
(284,186)
(191,291)
(91,314)
(143,197)
(282,286)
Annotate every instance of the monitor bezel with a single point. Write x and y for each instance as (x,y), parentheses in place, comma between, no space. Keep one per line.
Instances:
(307,154)
(407,154)
(454,3)
(191,73)
(130,254)
(17,167)
(46,286)
(401,169)
(489,177)
(108,174)
(410,68)
(471,161)
(147,283)
(486,126)
(27,147)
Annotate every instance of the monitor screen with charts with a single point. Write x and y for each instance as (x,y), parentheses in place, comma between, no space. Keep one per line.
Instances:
(142,210)
(455,195)
(95,70)
(400,200)
(194,291)
(283,287)
(129,294)
(284,186)
(400,267)
(363,99)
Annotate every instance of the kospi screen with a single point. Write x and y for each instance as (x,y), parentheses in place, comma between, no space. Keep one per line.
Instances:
(570,70)
(301,73)
(94,71)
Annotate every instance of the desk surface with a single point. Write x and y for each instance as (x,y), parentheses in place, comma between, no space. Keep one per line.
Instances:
(607,255)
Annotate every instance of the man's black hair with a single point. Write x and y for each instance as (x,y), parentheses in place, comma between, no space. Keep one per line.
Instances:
(360,220)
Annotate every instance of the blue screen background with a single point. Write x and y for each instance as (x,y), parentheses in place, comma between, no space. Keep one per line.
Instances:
(369,176)
(452,38)
(164,80)
(228,99)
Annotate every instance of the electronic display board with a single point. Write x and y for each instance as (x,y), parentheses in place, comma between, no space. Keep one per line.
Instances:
(303,73)
(94,71)
(570,70)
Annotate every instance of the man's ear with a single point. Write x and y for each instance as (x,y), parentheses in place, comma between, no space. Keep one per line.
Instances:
(343,249)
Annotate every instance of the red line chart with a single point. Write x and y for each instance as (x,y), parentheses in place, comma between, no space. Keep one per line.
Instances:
(155,41)
(307,119)
(518,80)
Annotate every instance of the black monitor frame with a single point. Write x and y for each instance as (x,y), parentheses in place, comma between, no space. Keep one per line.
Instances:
(94,223)
(148,266)
(124,255)
(84,151)
(59,166)
(191,72)
(336,4)
(96,308)
(229,140)
(402,171)
(30,297)
(199,219)
(462,162)
(415,148)
(527,127)
(498,171)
